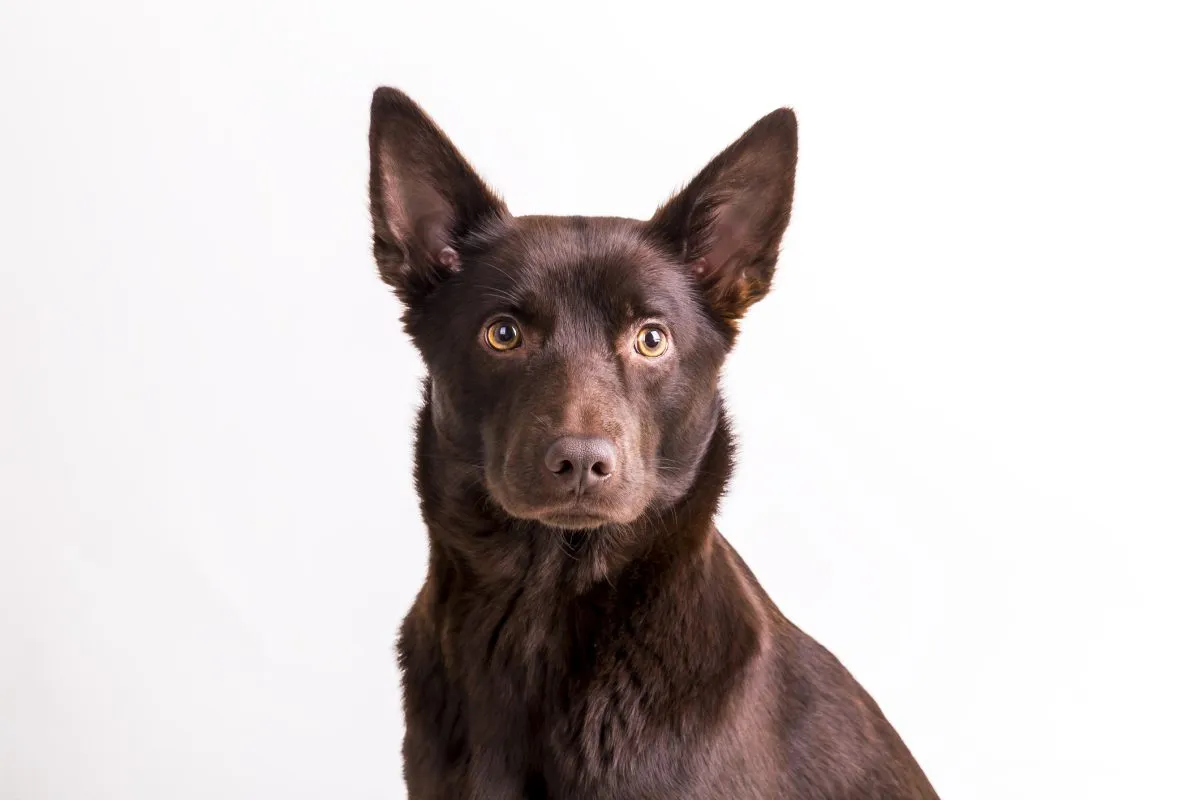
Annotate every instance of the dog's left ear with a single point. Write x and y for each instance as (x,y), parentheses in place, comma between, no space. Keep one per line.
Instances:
(726,225)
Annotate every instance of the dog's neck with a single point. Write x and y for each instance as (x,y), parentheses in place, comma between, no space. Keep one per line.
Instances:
(472,535)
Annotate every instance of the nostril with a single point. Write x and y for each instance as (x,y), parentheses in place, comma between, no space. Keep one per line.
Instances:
(563,468)
(602,469)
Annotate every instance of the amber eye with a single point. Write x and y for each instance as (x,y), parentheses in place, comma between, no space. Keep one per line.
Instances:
(651,341)
(503,334)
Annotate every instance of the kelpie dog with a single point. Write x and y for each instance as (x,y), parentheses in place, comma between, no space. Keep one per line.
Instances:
(584,631)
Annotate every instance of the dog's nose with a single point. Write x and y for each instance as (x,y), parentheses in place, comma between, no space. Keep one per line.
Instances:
(581,462)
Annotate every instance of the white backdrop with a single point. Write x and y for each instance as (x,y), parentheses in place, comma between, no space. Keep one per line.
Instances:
(968,412)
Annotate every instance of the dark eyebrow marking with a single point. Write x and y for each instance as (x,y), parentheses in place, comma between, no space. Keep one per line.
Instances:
(508,300)
(643,308)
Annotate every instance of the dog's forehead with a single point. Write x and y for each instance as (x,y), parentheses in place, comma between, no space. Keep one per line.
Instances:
(596,261)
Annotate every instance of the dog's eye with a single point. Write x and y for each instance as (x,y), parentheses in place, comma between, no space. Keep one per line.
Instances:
(651,341)
(503,334)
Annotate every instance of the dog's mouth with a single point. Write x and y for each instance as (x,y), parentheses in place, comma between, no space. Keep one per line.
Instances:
(581,514)
(573,514)
(574,518)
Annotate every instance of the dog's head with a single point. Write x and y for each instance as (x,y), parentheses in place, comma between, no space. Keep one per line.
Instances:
(574,360)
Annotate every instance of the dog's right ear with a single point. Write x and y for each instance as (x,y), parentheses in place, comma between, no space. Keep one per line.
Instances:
(424,197)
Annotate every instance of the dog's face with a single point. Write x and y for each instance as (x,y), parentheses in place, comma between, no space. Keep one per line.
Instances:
(574,361)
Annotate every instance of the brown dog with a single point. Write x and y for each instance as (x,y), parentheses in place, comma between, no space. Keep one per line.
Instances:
(584,630)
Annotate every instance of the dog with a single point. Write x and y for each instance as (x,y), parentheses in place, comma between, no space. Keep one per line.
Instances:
(584,631)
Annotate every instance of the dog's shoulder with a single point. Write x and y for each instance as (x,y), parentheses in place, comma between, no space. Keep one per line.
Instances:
(830,733)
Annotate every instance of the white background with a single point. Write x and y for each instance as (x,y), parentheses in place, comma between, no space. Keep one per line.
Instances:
(968,412)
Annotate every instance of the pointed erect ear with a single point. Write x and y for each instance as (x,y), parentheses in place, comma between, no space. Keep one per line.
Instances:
(424,197)
(727,223)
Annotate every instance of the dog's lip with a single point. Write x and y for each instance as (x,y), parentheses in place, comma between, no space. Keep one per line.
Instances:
(576,516)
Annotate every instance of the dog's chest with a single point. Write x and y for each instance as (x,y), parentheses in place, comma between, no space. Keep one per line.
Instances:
(536,650)
(557,681)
